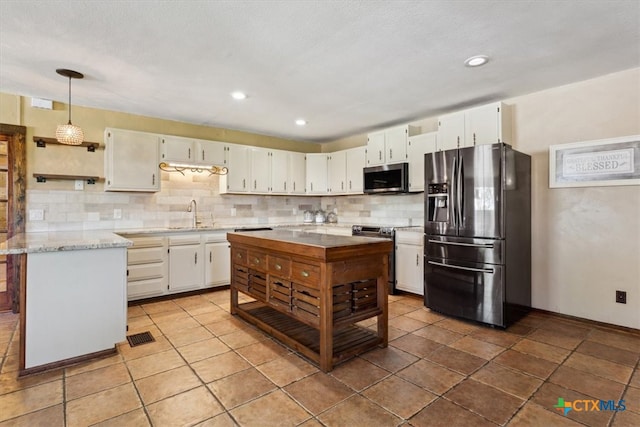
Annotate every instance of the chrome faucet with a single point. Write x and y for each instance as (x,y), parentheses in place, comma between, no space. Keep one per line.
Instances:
(193,207)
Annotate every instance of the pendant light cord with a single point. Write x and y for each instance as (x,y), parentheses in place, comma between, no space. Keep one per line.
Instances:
(69,99)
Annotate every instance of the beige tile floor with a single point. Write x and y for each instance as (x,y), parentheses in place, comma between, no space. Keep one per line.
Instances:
(208,368)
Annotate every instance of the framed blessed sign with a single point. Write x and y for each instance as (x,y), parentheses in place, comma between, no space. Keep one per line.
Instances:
(614,161)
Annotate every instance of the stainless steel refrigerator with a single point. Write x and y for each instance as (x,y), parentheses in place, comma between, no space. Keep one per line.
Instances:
(478,233)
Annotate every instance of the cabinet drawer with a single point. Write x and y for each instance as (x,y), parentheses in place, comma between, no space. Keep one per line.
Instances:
(145,255)
(145,288)
(305,304)
(279,266)
(184,239)
(308,274)
(280,293)
(409,237)
(239,256)
(146,242)
(257,260)
(145,271)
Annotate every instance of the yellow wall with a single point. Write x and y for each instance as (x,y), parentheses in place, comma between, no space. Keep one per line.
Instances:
(76,161)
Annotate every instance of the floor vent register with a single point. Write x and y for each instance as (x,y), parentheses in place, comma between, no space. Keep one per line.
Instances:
(139,339)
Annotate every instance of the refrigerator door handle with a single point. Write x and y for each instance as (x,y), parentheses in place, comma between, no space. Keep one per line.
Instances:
(454,192)
(459,194)
(459,267)
(473,245)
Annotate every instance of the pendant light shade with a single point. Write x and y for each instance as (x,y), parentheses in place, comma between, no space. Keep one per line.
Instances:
(69,134)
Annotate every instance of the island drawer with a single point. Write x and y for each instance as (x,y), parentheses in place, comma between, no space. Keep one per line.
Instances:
(240,277)
(239,256)
(258,285)
(305,304)
(309,274)
(279,266)
(257,260)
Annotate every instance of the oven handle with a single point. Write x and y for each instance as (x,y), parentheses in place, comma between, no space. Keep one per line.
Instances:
(458,267)
(473,245)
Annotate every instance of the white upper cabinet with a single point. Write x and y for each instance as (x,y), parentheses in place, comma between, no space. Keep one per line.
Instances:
(238,161)
(417,147)
(297,173)
(280,171)
(177,149)
(209,152)
(451,131)
(356,161)
(317,173)
(131,161)
(260,170)
(487,124)
(337,168)
(389,145)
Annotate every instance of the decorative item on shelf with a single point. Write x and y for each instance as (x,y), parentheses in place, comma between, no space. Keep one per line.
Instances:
(69,134)
(180,167)
(308,217)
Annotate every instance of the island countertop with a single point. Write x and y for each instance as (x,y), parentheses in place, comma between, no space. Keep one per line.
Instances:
(36,242)
(318,246)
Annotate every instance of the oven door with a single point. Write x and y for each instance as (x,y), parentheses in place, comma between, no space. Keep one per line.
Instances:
(465,289)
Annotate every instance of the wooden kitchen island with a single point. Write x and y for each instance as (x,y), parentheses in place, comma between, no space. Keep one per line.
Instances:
(309,290)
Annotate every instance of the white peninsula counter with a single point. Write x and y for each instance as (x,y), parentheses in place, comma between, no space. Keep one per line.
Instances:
(73,296)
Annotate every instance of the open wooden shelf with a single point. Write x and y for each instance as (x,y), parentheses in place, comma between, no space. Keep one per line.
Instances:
(43,177)
(42,142)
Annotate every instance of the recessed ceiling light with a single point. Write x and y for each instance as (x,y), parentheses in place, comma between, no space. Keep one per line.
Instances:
(476,61)
(238,95)
(301,122)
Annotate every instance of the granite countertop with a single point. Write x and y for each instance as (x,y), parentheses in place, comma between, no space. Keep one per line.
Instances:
(62,241)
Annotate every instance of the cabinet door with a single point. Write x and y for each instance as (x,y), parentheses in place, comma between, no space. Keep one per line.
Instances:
(185,267)
(209,152)
(238,161)
(417,146)
(337,172)
(451,132)
(375,149)
(395,141)
(279,171)
(488,124)
(409,259)
(260,170)
(356,161)
(177,149)
(217,264)
(297,173)
(131,161)
(317,178)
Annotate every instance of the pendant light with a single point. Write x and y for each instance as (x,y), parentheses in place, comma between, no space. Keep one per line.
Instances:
(69,134)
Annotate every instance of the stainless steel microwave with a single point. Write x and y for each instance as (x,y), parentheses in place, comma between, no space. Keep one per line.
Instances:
(386,179)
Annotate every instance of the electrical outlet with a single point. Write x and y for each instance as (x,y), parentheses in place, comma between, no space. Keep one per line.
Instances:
(233,211)
(79,184)
(621,297)
(36,214)
(117,214)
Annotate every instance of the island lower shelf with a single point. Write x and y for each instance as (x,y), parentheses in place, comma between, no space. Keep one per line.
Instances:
(311,291)
(347,342)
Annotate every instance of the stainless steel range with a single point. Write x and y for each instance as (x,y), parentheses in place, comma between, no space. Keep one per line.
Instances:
(383,233)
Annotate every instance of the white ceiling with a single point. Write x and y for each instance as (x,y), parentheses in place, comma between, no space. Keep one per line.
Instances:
(348,67)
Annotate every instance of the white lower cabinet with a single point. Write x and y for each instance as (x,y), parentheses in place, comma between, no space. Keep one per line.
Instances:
(147,267)
(409,262)
(186,269)
(217,271)
(171,263)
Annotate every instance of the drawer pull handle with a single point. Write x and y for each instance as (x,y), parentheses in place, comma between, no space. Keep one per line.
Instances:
(304,274)
(278,267)
(239,256)
(256,260)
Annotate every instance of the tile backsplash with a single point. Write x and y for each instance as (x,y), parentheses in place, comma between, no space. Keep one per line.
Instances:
(97,209)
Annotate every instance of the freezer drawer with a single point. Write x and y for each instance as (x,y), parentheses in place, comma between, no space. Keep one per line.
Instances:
(468,290)
(481,251)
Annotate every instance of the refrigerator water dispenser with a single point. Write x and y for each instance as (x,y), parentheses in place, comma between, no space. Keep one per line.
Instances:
(438,203)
